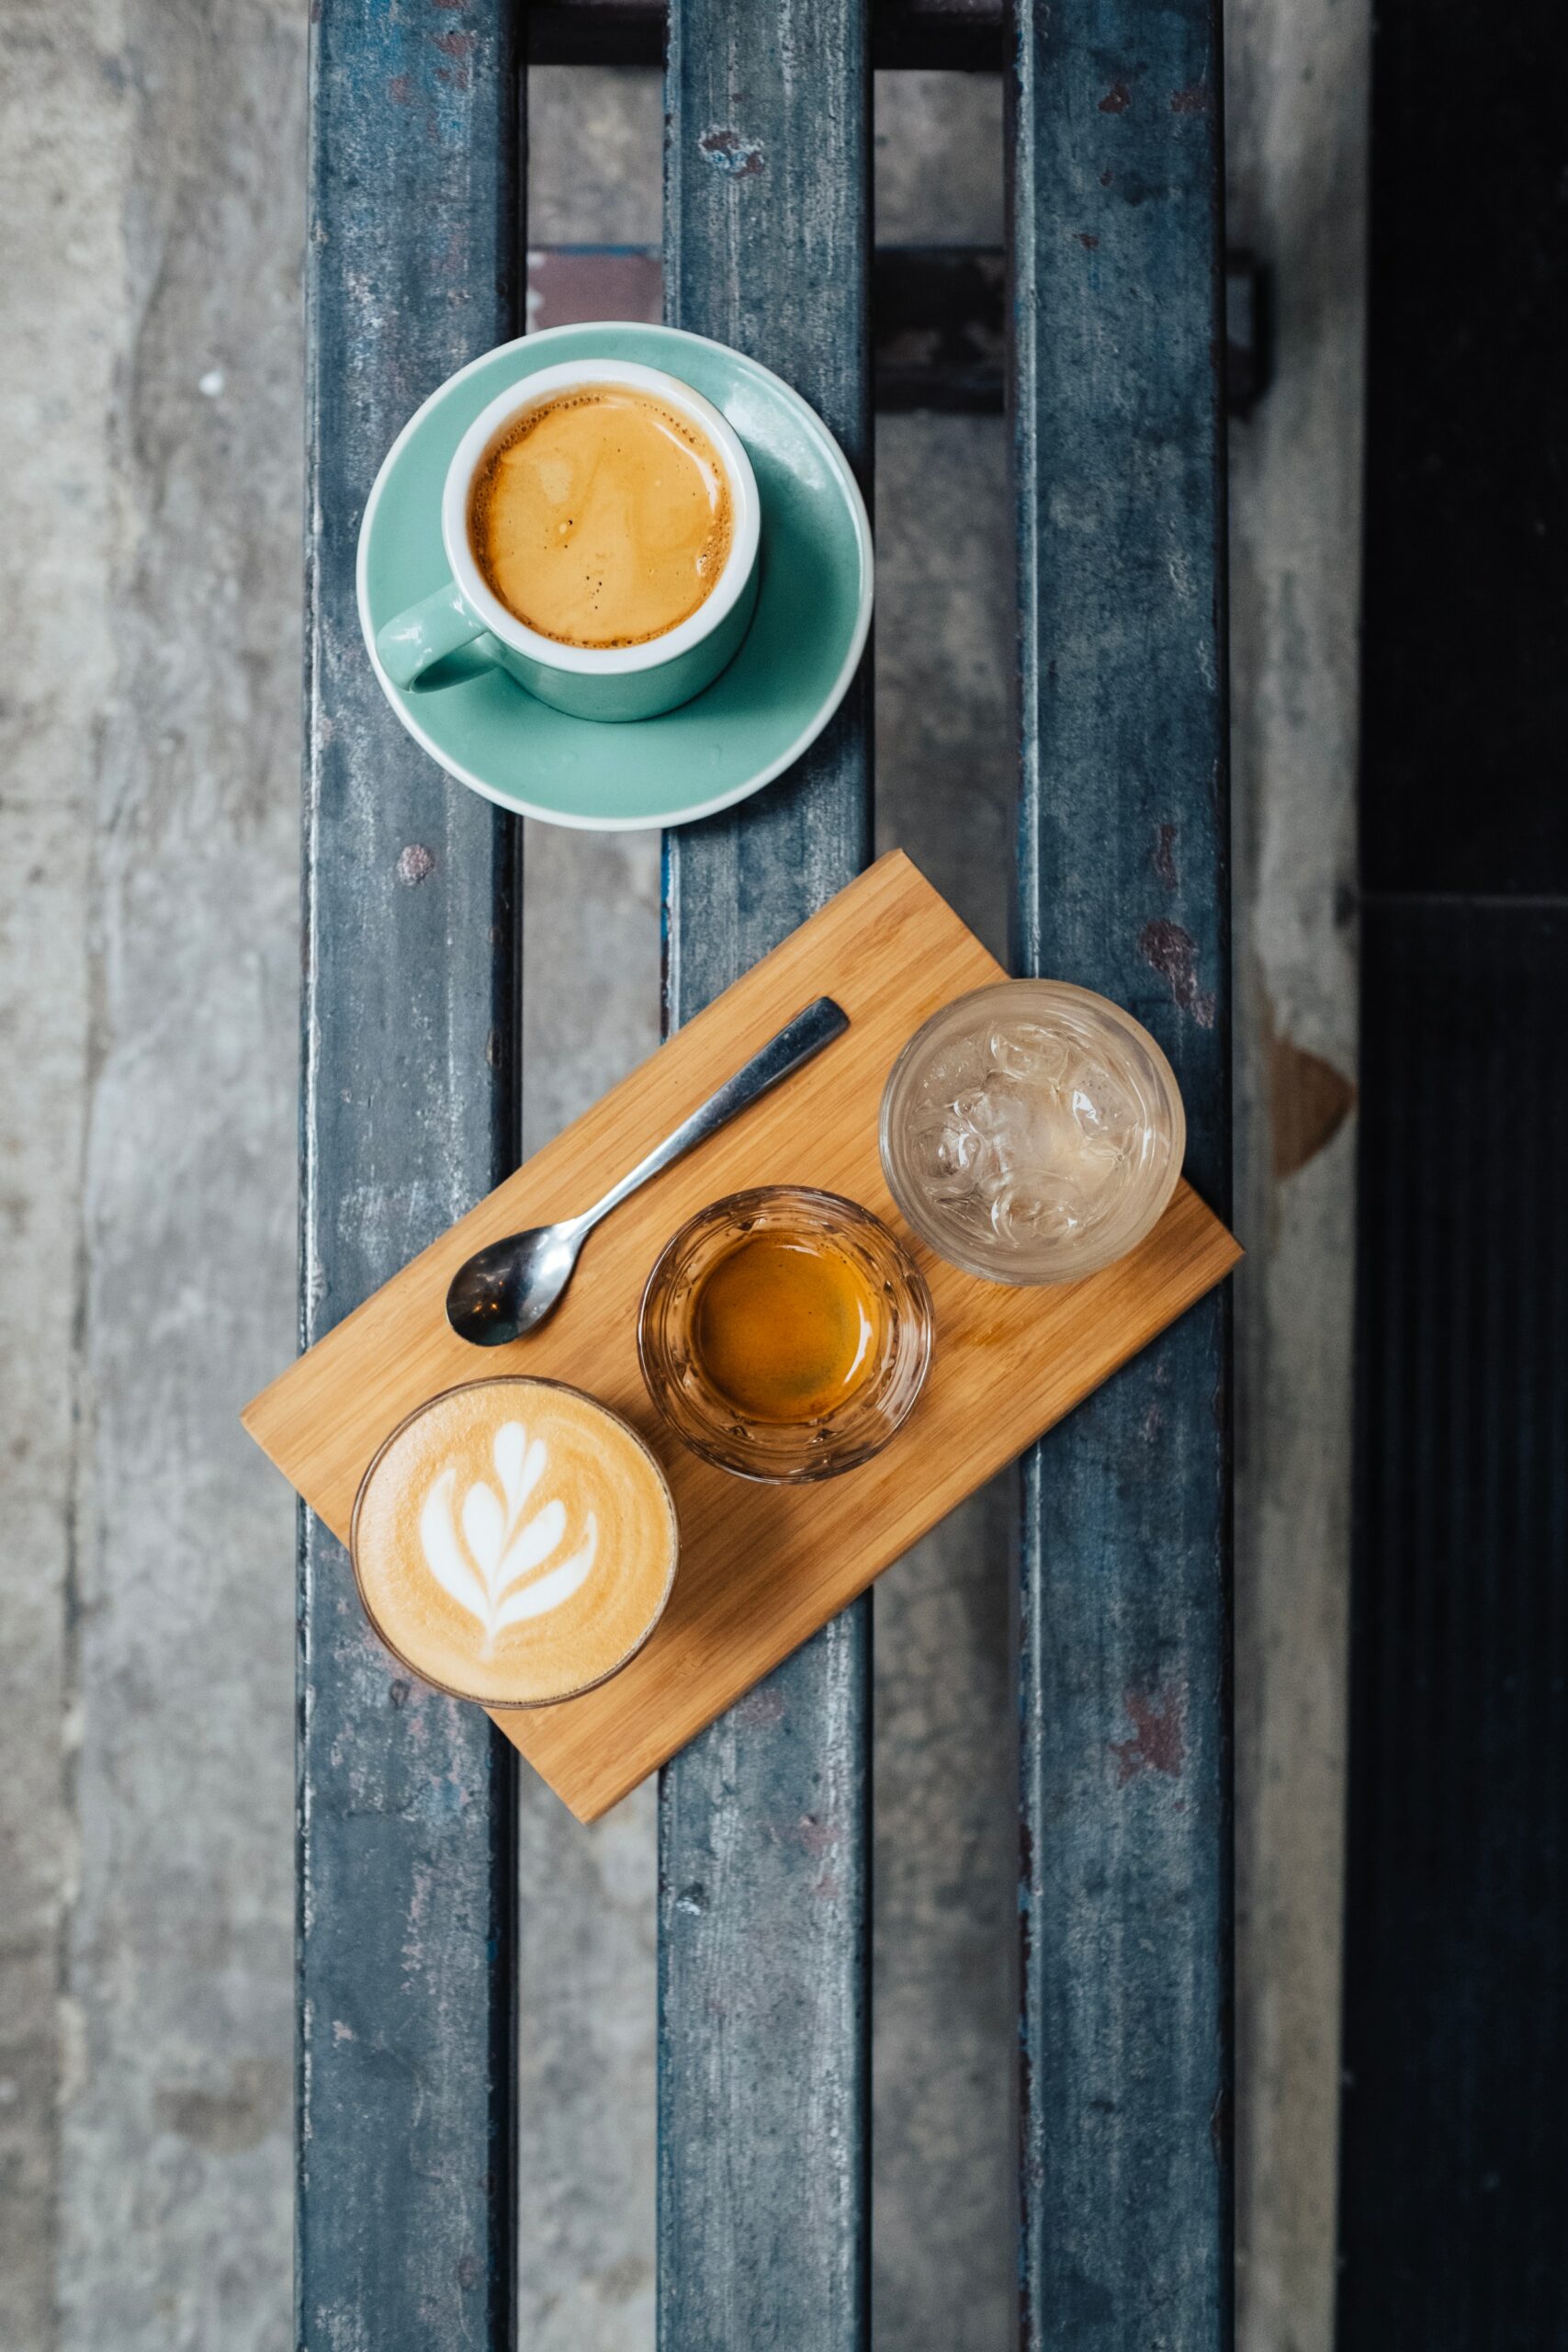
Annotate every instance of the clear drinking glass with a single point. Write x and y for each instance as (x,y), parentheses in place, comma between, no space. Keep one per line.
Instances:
(797,1433)
(1031,1131)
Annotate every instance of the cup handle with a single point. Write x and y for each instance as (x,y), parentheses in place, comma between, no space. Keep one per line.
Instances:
(424,635)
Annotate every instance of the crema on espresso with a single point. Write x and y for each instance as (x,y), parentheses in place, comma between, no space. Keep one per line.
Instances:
(602,518)
(514,1541)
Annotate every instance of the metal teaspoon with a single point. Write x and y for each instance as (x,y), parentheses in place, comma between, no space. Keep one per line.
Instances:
(509,1288)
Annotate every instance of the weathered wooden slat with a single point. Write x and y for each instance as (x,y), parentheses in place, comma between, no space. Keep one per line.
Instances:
(1125,1873)
(409,1113)
(763,1821)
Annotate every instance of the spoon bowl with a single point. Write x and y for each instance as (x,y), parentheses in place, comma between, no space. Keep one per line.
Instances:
(507,1289)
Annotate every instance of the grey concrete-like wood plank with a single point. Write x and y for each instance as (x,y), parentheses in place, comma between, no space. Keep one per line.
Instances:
(1297,136)
(162,468)
(56,550)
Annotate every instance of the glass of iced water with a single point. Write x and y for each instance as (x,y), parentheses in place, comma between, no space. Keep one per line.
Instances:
(1031,1131)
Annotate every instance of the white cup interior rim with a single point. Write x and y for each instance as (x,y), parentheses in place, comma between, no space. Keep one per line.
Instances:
(586,660)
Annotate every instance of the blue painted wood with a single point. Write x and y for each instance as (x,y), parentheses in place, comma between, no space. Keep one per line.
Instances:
(1125,1884)
(763,1820)
(410,1111)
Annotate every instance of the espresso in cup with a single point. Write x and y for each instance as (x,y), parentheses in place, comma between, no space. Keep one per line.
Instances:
(601,521)
(602,518)
(514,1541)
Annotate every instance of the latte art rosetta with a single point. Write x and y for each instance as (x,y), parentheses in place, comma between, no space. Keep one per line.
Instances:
(514,1541)
(498,1569)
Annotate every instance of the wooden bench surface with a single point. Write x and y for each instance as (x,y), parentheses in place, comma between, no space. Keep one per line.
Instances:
(407,1981)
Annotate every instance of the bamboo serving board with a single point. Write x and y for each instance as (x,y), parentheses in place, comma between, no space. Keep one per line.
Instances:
(761,1568)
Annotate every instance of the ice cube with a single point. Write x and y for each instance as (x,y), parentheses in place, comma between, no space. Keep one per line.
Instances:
(952,1153)
(1024,1049)
(1106,1113)
(971,1211)
(991,1110)
(955,1069)
(1016,1123)
(1026,1213)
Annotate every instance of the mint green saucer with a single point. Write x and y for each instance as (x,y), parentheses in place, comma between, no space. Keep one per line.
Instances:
(790,675)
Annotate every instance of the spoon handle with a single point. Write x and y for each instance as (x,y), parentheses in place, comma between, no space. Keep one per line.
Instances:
(795,1042)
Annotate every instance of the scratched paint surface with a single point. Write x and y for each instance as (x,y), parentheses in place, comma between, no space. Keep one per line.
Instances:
(1124,1886)
(405,2189)
(763,1829)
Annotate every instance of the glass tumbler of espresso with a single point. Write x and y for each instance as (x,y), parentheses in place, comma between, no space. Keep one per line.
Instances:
(784,1334)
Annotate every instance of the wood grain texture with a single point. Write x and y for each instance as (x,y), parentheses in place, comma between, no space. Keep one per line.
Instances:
(405,2216)
(761,1568)
(764,1834)
(1125,1891)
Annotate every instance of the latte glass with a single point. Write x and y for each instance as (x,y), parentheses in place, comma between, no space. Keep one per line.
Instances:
(514,1542)
(839,1413)
(1031,1131)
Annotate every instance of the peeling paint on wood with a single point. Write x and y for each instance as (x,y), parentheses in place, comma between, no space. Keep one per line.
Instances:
(1169,949)
(1124,1638)
(726,151)
(763,1820)
(1156,1744)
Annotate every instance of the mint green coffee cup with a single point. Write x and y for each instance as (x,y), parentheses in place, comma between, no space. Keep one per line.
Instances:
(612,683)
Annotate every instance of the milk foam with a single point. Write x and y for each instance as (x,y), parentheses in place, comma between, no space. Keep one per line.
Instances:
(514,1541)
(494,1569)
